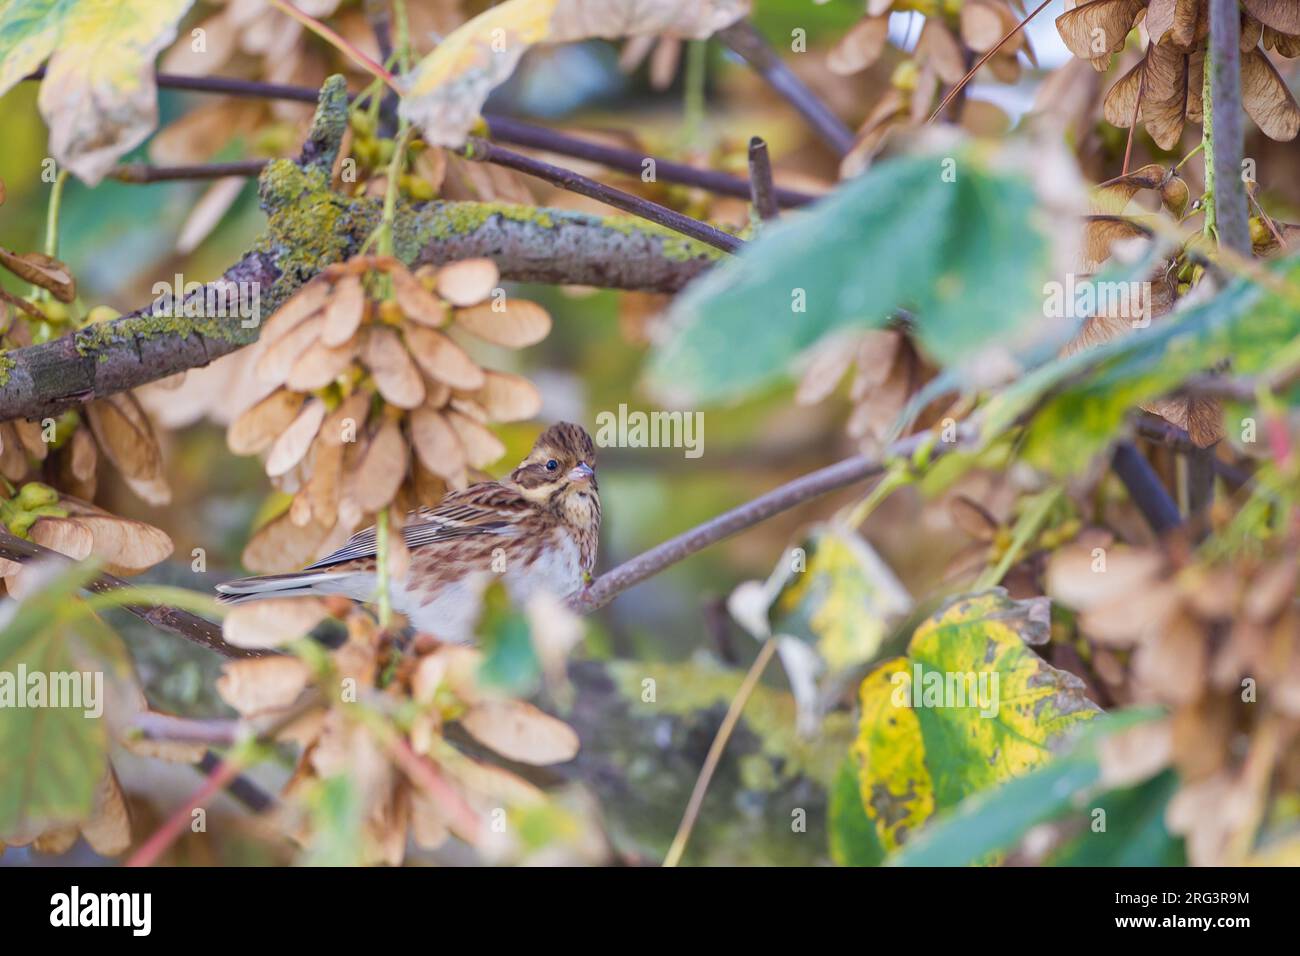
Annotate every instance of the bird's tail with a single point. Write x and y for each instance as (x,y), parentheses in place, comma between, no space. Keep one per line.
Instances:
(293,584)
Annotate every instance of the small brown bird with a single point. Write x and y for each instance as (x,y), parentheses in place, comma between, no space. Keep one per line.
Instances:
(538,529)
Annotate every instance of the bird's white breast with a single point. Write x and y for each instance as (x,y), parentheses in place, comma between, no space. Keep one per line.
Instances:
(558,569)
(452,613)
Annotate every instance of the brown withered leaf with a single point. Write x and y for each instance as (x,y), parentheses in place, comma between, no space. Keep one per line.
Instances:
(279,355)
(344,423)
(344,311)
(321,492)
(291,445)
(437,445)
(1267,99)
(108,831)
(468,281)
(508,398)
(1114,195)
(272,623)
(126,436)
(417,303)
(306,302)
(983,24)
(257,685)
(395,375)
(320,365)
(442,359)
(257,428)
(126,546)
(375,480)
(1099,27)
(30,435)
(1281,15)
(519,731)
(1200,417)
(860,47)
(41,270)
(481,446)
(1100,233)
(84,455)
(522,323)
(280,545)
(1174,21)
(940,49)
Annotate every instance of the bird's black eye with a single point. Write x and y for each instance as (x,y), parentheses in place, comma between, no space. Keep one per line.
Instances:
(552,464)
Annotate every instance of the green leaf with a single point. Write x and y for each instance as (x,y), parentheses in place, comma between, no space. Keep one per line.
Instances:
(853,839)
(963,255)
(838,595)
(970,707)
(98,97)
(994,820)
(510,661)
(1135,833)
(52,758)
(1085,397)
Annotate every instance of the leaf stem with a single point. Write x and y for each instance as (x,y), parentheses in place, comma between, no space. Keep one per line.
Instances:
(716,749)
(52,215)
(333,39)
(385,600)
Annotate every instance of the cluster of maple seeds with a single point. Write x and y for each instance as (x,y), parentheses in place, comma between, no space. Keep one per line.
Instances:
(1215,642)
(418,782)
(372,402)
(1164,88)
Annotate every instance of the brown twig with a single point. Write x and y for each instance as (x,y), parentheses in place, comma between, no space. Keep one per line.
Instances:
(831,478)
(480,150)
(172,620)
(761,188)
(517,133)
(745,40)
(984,59)
(145,173)
(506,130)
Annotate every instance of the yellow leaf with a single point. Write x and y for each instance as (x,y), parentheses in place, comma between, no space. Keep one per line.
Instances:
(98,97)
(447,88)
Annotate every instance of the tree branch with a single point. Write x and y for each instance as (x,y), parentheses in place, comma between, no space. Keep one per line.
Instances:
(747,42)
(480,150)
(506,130)
(172,620)
(308,228)
(831,478)
(1224,63)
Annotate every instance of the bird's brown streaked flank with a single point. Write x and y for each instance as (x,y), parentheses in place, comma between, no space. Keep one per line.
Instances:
(538,529)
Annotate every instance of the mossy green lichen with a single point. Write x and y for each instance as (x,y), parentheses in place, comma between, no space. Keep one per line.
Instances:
(675,246)
(688,688)
(6,366)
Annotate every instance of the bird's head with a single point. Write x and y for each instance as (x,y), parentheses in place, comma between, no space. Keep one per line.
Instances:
(560,472)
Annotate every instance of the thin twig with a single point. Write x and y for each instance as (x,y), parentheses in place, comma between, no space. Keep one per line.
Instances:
(761,188)
(517,133)
(331,36)
(1145,490)
(716,749)
(831,478)
(172,620)
(744,39)
(984,59)
(146,173)
(505,130)
(483,151)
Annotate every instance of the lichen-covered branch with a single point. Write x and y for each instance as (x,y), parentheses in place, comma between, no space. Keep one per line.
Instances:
(310,226)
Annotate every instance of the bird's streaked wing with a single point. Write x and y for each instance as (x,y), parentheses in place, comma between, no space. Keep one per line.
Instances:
(479,509)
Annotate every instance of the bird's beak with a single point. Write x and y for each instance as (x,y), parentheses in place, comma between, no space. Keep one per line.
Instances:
(583,472)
